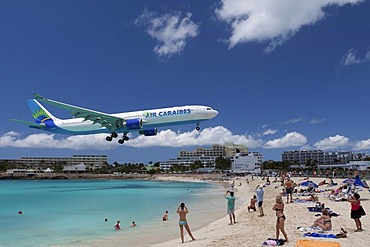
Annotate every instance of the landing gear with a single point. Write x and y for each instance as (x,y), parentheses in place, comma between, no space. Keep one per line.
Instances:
(123,139)
(110,138)
(197,128)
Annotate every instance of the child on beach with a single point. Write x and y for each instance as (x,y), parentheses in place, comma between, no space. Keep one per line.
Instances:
(252,205)
(182,211)
(356,211)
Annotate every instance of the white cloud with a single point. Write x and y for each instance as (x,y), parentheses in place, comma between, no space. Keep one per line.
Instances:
(292,121)
(269,132)
(362,145)
(170,30)
(166,138)
(316,121)
(332,143)
(292,139)
(270,20)
(351,58)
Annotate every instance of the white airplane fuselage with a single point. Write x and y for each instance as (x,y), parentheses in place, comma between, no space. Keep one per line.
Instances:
(150,119)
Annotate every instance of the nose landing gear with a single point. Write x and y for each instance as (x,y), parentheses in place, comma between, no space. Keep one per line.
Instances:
(197,128)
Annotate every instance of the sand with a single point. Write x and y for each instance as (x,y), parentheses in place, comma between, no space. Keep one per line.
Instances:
(251,230)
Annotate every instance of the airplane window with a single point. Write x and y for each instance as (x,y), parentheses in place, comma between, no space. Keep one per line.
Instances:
(208,109)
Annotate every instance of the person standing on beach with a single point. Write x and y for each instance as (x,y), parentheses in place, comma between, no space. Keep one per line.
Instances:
(182,211)
(279,208)
(259,193)
(356,211)
(289,187)
(230,206)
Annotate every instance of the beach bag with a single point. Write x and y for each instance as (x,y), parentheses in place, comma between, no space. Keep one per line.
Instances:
(362,211)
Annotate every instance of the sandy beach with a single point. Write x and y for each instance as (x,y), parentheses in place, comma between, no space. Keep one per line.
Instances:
(251,230)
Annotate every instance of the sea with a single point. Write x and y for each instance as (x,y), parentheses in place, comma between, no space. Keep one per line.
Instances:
(84,212)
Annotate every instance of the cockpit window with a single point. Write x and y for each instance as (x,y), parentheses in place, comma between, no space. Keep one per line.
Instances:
(209,108)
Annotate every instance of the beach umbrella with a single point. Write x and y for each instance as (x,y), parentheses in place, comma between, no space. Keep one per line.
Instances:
(355,182)
(310,184)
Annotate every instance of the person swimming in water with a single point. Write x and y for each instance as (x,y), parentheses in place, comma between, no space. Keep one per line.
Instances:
(182,211)
(117,226)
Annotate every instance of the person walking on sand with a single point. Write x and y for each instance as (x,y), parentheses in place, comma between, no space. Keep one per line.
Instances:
(279,208)
(356,211)
(182,211)
(231,206)
(259,193)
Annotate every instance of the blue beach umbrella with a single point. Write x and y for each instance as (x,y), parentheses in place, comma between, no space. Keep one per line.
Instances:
(309,184)
(355,182)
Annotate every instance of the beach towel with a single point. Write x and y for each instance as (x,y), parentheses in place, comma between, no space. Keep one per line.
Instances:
(314,243)
(303,201)
(319,235)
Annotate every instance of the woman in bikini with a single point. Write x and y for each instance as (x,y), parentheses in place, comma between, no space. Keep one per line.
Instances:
(324,221)
(279,208)
(182,211)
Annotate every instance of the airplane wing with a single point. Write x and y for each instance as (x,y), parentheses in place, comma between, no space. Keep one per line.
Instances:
(31,124)
(106,120)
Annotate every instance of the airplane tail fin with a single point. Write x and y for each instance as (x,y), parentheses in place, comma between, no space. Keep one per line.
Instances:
(40,113)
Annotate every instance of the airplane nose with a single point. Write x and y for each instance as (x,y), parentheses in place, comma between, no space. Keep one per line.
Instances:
(214,113)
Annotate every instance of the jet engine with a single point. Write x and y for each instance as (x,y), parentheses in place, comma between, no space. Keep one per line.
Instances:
(133,124)
(148,132)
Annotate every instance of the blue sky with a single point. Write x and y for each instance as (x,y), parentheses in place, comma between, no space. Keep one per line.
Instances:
(284,75)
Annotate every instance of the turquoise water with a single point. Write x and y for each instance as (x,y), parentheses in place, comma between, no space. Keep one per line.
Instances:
(67,212)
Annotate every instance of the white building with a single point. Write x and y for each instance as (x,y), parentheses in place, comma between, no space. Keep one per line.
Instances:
(246,163)
(360,165)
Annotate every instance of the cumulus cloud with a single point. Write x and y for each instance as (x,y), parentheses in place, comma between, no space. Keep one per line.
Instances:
(351,58)
(332,143)
(165,138)
(171,31)
(270,20)
(269,132)
(292,139)
(362,145)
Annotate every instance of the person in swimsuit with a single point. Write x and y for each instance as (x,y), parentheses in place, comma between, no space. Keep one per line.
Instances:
(182,211)
(117,226)
(252,206)
(279,208)
(324,221)
(356,211)
(289,186)
(165,216)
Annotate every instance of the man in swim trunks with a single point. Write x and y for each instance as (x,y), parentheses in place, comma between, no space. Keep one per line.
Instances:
(289,186)
(252,205)
(230,206)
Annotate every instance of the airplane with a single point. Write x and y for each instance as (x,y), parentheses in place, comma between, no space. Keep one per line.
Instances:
(86,121)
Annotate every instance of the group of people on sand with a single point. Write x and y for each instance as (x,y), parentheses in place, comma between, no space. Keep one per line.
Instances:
(323,221)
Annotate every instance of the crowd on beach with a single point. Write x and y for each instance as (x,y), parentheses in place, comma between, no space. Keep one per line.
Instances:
(297,190)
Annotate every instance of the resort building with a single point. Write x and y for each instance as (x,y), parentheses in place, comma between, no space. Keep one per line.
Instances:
(93,161)
(208,155)
(247,163)
(303,157)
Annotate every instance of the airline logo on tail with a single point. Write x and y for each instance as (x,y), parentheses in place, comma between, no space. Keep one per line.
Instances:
(40,115)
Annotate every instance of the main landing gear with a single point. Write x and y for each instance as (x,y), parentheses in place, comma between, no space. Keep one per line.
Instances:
(113,135)
(123,139)
(197,128)
(120,141)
